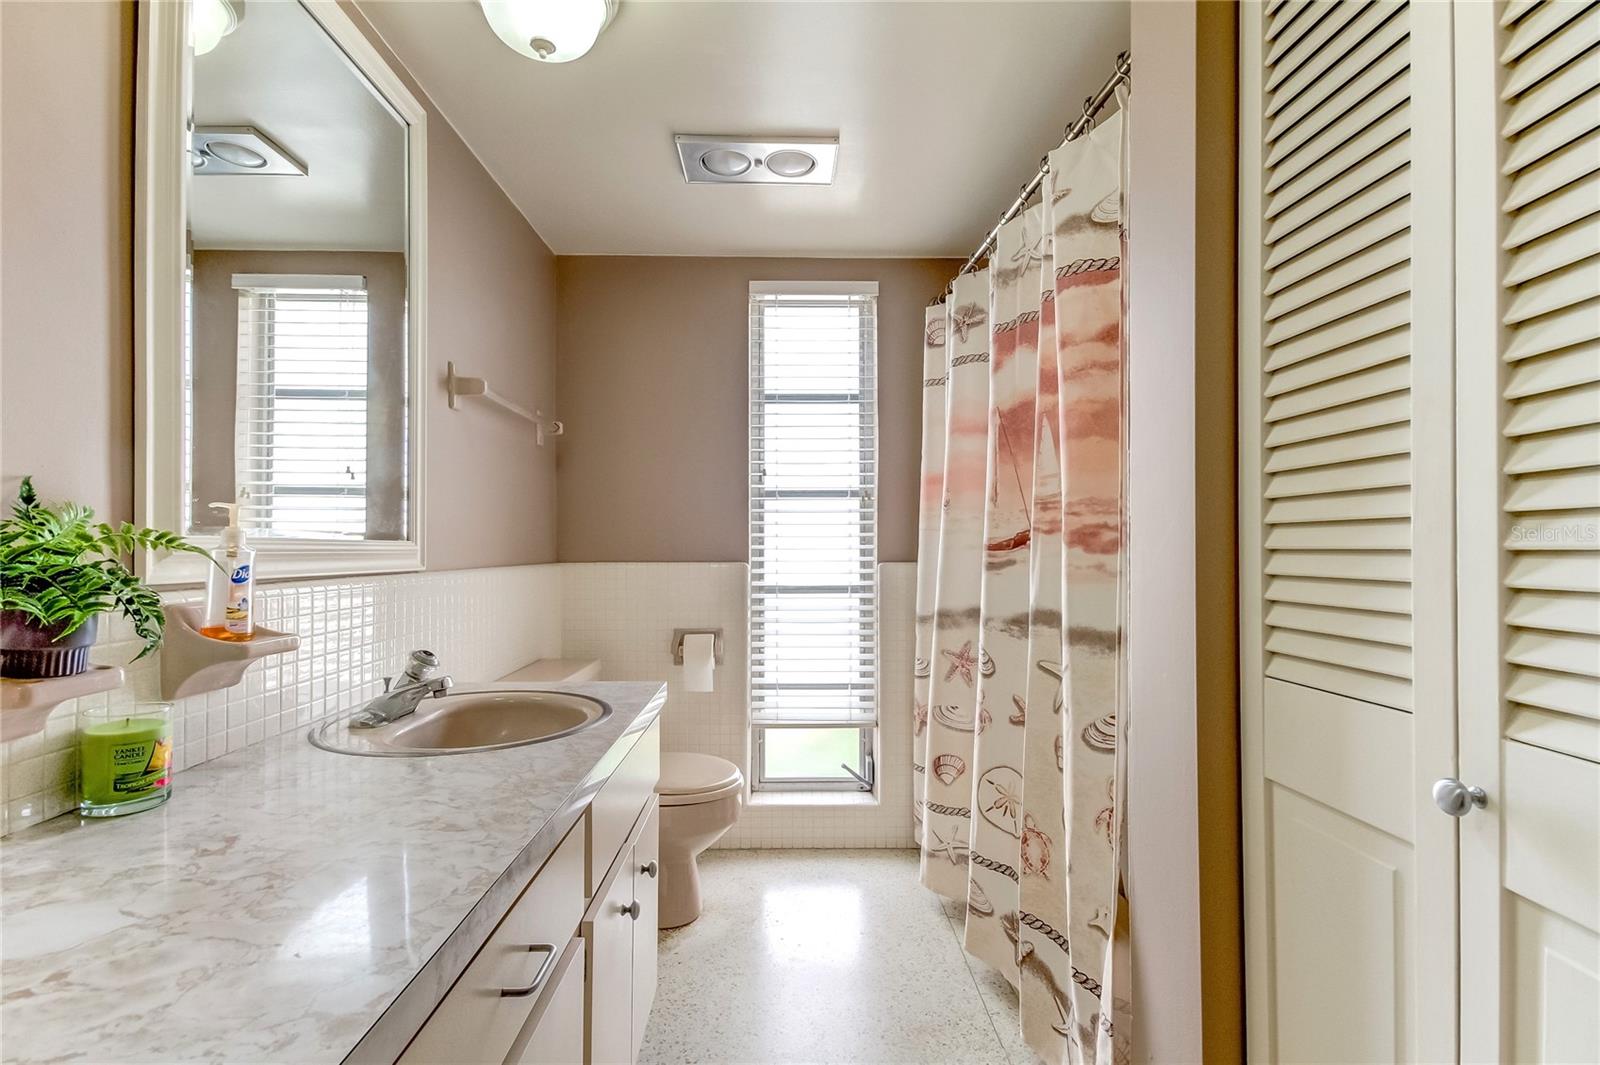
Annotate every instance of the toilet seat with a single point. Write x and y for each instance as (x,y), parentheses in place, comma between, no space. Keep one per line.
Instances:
(688,779)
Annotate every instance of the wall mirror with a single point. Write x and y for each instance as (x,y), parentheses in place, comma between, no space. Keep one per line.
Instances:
(281,273)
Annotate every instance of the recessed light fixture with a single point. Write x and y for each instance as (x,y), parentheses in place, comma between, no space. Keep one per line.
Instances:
(725,162)
(791,163)
(712,159)
(239,150)
(551,31)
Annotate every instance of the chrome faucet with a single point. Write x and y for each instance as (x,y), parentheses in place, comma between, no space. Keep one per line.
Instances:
(402,694)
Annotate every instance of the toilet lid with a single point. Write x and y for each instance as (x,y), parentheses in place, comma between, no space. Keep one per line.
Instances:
(688,778)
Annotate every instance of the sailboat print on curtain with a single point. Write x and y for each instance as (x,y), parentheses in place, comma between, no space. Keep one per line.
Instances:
(1020,682)
(935,379)
(956,659)
(997,821)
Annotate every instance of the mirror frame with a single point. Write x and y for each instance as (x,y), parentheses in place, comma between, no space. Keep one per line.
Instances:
(161,180)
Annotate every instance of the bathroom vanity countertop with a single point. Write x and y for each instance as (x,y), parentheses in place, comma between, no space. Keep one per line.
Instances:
(288,903)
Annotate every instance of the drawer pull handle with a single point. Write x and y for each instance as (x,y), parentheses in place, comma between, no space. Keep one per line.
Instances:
(650,869)
(633,909)
(549,953)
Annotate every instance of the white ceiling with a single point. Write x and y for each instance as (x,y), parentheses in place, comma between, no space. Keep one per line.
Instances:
(282,74)
(943,110)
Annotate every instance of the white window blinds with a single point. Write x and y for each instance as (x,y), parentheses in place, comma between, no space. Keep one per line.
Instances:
(813,481)
(300,450)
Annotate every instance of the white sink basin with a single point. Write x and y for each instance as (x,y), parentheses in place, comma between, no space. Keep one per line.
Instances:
(463,722)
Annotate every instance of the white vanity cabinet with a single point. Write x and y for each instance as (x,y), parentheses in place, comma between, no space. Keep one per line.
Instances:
(620,930)
(569,974)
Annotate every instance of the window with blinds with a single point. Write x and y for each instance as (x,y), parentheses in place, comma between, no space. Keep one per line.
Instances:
(813,546)
(300,449)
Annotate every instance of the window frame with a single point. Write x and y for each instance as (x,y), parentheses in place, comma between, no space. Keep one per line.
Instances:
(863,776)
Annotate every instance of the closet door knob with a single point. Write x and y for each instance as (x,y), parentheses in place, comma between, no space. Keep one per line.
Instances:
(650,869)
(1458,799)
(633,910)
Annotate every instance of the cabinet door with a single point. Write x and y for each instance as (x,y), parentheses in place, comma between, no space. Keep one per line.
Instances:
(646,882)
(1346,529)
(554,1032)
(608,930)
(1528,485)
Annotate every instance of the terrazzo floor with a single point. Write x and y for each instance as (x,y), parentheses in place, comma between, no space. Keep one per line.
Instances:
(825,956)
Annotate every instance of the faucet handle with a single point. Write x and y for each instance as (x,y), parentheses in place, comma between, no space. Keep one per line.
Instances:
(421,665)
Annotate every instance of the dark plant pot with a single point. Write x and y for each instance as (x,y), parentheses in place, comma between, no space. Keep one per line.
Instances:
(31,652)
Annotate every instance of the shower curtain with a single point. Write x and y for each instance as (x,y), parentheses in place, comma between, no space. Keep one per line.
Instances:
(1018,683)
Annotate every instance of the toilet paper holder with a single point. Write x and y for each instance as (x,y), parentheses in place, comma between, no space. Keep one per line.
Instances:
(677,643)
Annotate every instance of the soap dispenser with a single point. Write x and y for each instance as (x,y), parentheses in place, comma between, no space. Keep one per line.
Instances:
(230,584)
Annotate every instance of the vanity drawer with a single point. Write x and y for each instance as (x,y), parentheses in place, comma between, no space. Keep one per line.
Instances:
(478,1021)
(554,1032)
(616,808)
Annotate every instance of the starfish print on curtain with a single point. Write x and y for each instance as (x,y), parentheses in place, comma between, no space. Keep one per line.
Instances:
(953,708)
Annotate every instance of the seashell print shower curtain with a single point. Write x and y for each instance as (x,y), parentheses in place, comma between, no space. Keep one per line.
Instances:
(1020,660)
(957,662)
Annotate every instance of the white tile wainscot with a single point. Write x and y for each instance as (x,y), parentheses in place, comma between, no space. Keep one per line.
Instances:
(623,613)
(481,622)
(484,623)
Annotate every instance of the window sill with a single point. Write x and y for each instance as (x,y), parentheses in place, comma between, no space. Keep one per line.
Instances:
(820,797)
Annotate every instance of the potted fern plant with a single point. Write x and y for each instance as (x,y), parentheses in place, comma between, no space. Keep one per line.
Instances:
(59,571)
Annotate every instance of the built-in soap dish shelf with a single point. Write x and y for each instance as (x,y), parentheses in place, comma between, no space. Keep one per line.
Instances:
(25,705)
(192,663)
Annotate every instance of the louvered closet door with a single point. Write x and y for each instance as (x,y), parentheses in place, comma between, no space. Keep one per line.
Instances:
(1347,525)
(1529,199)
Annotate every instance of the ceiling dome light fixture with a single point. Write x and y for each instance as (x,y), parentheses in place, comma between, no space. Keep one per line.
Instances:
(212,20)
(551,31)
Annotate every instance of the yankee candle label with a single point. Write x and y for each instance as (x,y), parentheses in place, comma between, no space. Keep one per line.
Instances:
(137,767)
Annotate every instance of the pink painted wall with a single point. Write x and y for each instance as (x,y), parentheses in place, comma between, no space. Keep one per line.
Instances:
(654,388)
(66,280)
(66,251)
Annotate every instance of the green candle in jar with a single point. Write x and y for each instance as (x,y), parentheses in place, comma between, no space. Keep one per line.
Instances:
(124,761)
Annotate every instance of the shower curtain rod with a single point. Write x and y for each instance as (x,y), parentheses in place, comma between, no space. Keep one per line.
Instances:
(1091,107)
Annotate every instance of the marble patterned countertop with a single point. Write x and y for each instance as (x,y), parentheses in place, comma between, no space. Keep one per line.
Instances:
(288,903)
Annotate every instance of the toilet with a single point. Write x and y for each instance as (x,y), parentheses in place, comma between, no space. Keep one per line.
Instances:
(700,799)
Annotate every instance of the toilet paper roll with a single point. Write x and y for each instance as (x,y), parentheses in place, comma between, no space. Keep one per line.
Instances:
(699,660)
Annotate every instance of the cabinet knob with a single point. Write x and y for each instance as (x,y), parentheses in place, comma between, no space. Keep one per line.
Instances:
(1458,799)
(650,869)
(632,909)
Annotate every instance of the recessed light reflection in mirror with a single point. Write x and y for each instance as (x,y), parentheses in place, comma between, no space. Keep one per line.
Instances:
(236,154)
(812,924)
